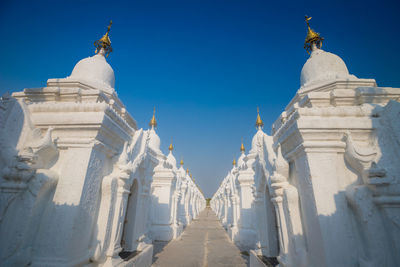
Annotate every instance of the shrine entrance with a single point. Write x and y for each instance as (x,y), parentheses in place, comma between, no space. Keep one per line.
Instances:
(128,240)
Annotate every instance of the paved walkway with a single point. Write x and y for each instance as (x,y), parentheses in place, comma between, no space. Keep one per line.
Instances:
(204,243)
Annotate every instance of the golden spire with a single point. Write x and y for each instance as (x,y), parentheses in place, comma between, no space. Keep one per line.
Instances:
(259,122)
(153,122)
(181,162)
(171,147)
(104,42)
(234,162)
(242,149)
(313,38)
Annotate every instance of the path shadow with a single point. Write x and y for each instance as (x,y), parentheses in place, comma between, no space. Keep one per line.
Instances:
(158,247)
(245,256)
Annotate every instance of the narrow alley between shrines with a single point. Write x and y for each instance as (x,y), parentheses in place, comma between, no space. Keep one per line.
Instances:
(203,243)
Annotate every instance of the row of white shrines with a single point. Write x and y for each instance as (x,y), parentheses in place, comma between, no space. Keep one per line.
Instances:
(324,188)
(80,184)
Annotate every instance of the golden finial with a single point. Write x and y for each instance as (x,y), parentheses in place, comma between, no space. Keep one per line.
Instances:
(187,170)
(259,122)
(234,162)
(312,38)
(171,147)
(104,42)
(242,149)
(181,162)
(153,122)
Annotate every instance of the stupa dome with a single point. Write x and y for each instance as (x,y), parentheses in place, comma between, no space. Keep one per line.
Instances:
(154,140)
(322,66)
(182,170)
(171,159)
(257,140)
(241,159)
(94,69)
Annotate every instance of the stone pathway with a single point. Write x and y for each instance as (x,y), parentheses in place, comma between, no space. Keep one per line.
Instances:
(204,243)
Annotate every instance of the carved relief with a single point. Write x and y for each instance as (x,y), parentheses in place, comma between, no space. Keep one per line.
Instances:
(26,183)
(363,159)
(360,197)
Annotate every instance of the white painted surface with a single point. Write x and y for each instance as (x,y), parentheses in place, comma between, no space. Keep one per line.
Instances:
(323,66)
(79,182)
(94,69)
(324,187)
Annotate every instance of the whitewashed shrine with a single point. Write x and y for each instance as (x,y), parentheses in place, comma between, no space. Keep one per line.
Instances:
(80,184)
(323,189)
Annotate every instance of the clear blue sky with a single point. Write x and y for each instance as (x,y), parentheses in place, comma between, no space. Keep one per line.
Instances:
(205,65)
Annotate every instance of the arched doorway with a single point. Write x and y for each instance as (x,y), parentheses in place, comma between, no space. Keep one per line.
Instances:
(128,240)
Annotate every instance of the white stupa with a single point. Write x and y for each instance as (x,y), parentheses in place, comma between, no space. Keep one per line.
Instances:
(94,70)
(170,158)
(242,155)
(181,169)
(154,139)
(255,142)
(322,66)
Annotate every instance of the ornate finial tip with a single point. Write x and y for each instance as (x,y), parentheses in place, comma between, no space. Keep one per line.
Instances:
(171,147)
(242,149)
(234,162)
(182,162)
(153,121)
(259,122)
(103,45)
(313,39)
